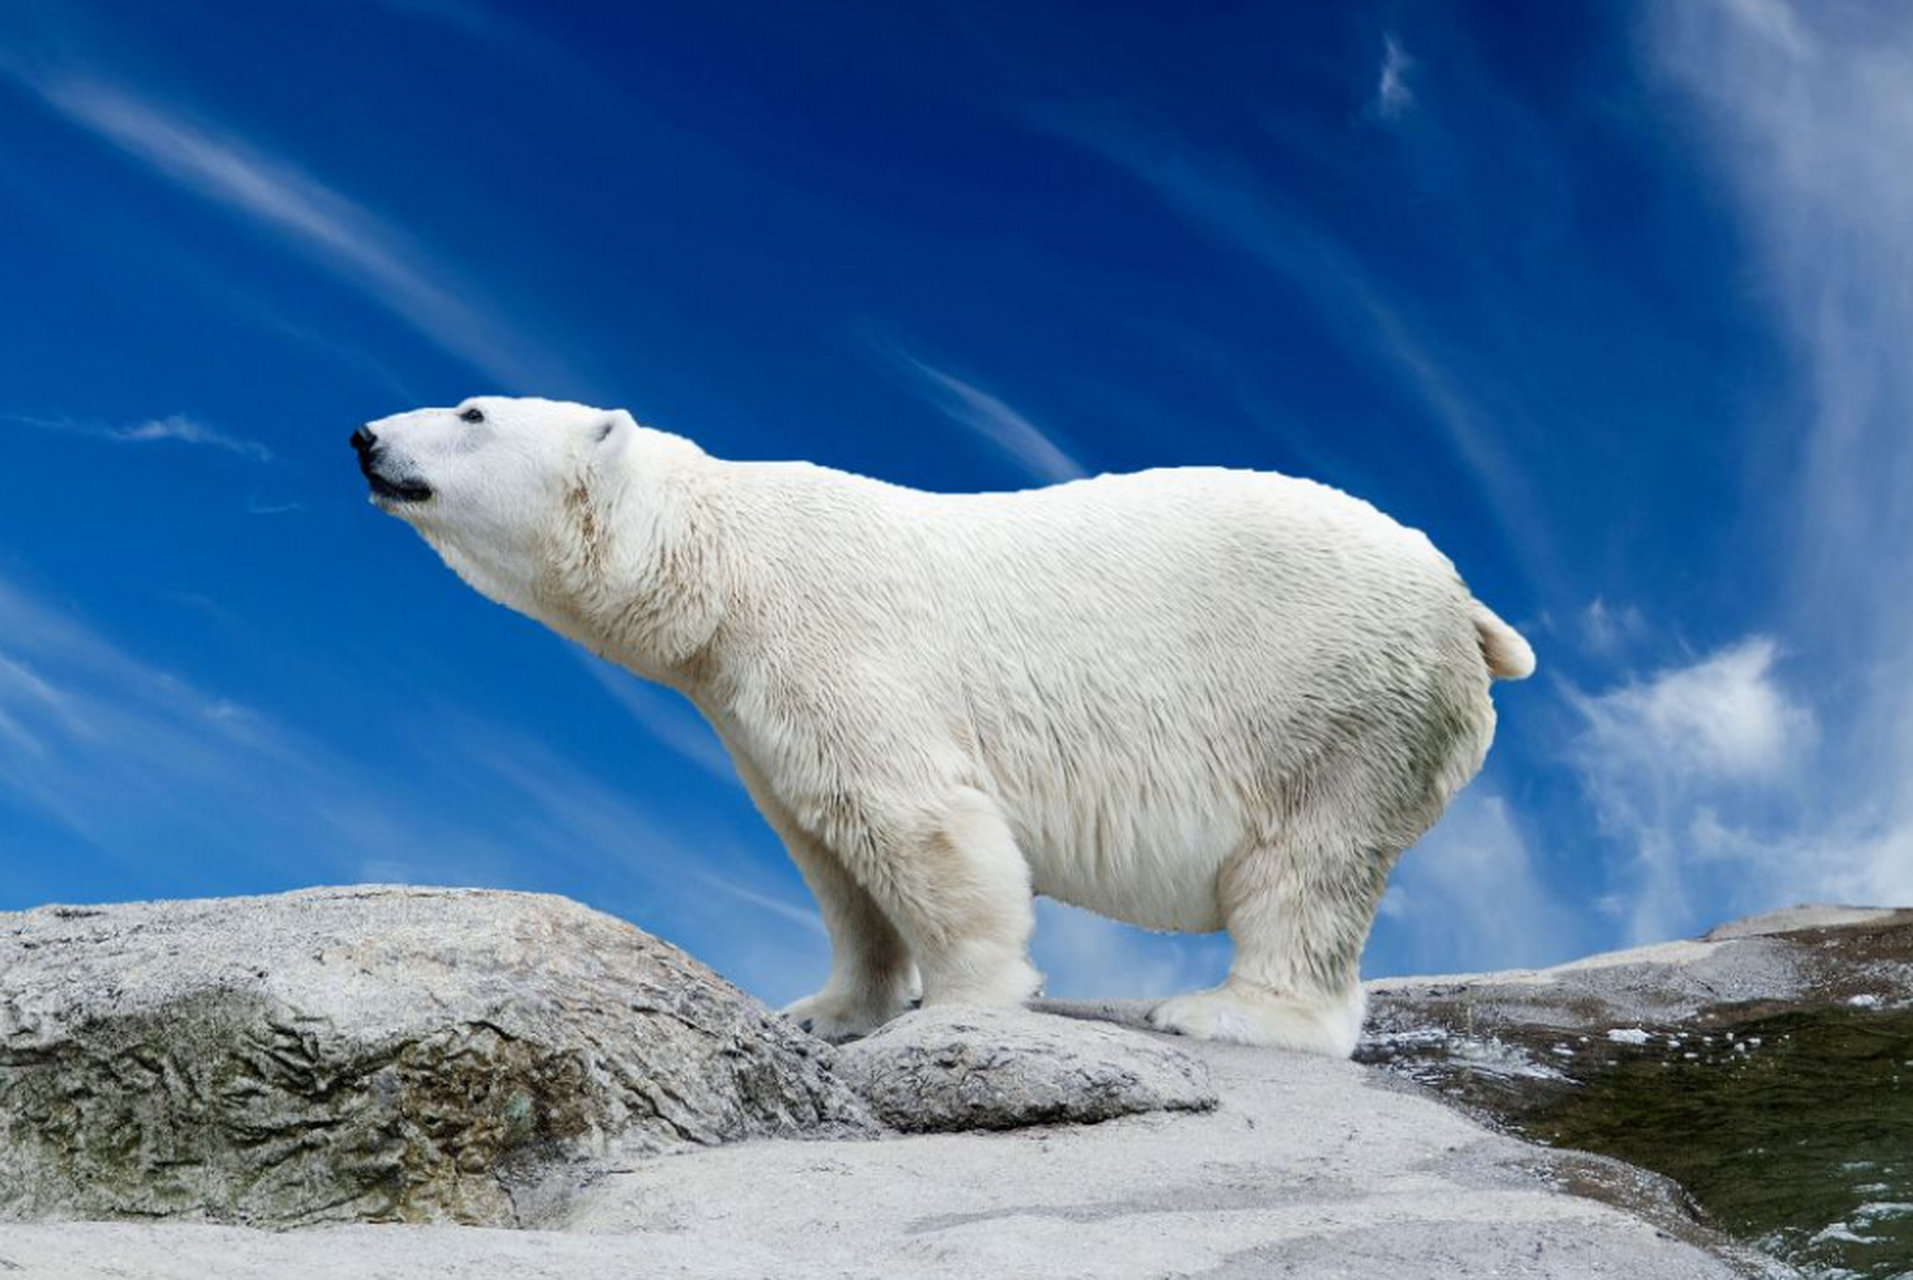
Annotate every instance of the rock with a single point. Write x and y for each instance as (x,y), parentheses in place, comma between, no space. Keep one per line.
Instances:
(948,1069)
(379,1066)
(370,1054)
(1509,1024)
(1305,1168)
(1751,1065)
(1798,919)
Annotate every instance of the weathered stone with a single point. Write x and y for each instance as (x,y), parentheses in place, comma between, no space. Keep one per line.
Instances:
(1752,1065)
(1304,1163)
(1522,1025)
(949,1069)
(370,1054)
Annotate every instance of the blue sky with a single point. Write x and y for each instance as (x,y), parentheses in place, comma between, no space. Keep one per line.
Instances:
(1608,299)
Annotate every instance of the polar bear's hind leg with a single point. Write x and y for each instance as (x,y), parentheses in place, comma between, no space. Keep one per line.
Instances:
(1299,903)
(1295,979)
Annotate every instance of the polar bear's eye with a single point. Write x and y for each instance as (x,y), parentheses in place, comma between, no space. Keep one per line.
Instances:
(472,415)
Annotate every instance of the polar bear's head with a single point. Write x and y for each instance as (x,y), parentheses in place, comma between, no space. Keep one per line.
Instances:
(518,494)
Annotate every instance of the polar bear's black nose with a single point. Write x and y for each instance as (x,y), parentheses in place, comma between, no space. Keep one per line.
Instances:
(363,439)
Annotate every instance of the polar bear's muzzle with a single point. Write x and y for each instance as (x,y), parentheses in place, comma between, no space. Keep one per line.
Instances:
(385,484)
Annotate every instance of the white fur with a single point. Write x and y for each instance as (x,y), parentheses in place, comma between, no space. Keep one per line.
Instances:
(1189,699)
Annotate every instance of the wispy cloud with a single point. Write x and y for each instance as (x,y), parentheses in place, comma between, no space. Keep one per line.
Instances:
(141,762)
(279,198)
(1229,203)
(1441,913)
(187,431)
(665,716)
(1806,112)
(804,917)
(1694,772)
(175,427)
(528,46)
(1031,448)
(103,743)
(1392,94)
(1083,955)
(1608,629)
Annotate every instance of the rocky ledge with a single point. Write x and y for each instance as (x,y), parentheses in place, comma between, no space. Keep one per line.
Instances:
(389,1069)
(1767,1066)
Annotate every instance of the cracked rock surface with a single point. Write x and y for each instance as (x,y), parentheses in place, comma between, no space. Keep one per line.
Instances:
(940,1070)
(386,1068)
(371,1054)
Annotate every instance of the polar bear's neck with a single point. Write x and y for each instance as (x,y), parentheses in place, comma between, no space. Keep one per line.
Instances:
(635,569)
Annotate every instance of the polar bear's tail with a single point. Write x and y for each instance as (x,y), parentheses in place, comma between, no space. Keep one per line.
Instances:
(1508,655)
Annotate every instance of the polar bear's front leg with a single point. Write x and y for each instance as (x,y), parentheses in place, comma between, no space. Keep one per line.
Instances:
(872,978)
(959,890)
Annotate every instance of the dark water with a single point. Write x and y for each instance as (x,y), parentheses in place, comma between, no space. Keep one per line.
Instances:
(1793,1132)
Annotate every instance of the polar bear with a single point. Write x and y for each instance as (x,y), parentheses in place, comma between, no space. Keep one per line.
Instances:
(1189,699)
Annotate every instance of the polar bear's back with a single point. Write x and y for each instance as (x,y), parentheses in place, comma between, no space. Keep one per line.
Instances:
(1211,572)
(1139,668)
(1192,528)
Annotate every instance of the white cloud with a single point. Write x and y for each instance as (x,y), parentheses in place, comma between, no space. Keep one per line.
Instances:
(1714,781)
(1392,94)
(1876,867)
(278,197)
(176,427)
(1694,772)
(1469,896)
(1804,114)
(1723,717)
(970,406)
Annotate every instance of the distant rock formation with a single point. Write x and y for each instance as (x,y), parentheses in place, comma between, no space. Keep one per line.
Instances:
(1763,1066)
(1536,1024)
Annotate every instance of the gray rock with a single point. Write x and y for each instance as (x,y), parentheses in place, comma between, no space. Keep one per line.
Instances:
(444,1057)
(1800,918)
(938,1070)
(1799,959)
(1751,1065)
(1306,1168)
(370,1054)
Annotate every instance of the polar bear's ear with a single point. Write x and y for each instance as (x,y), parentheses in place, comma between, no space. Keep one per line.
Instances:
(614,430)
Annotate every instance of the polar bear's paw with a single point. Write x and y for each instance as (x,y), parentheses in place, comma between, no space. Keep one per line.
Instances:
(838,1016)
(1240,1015)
